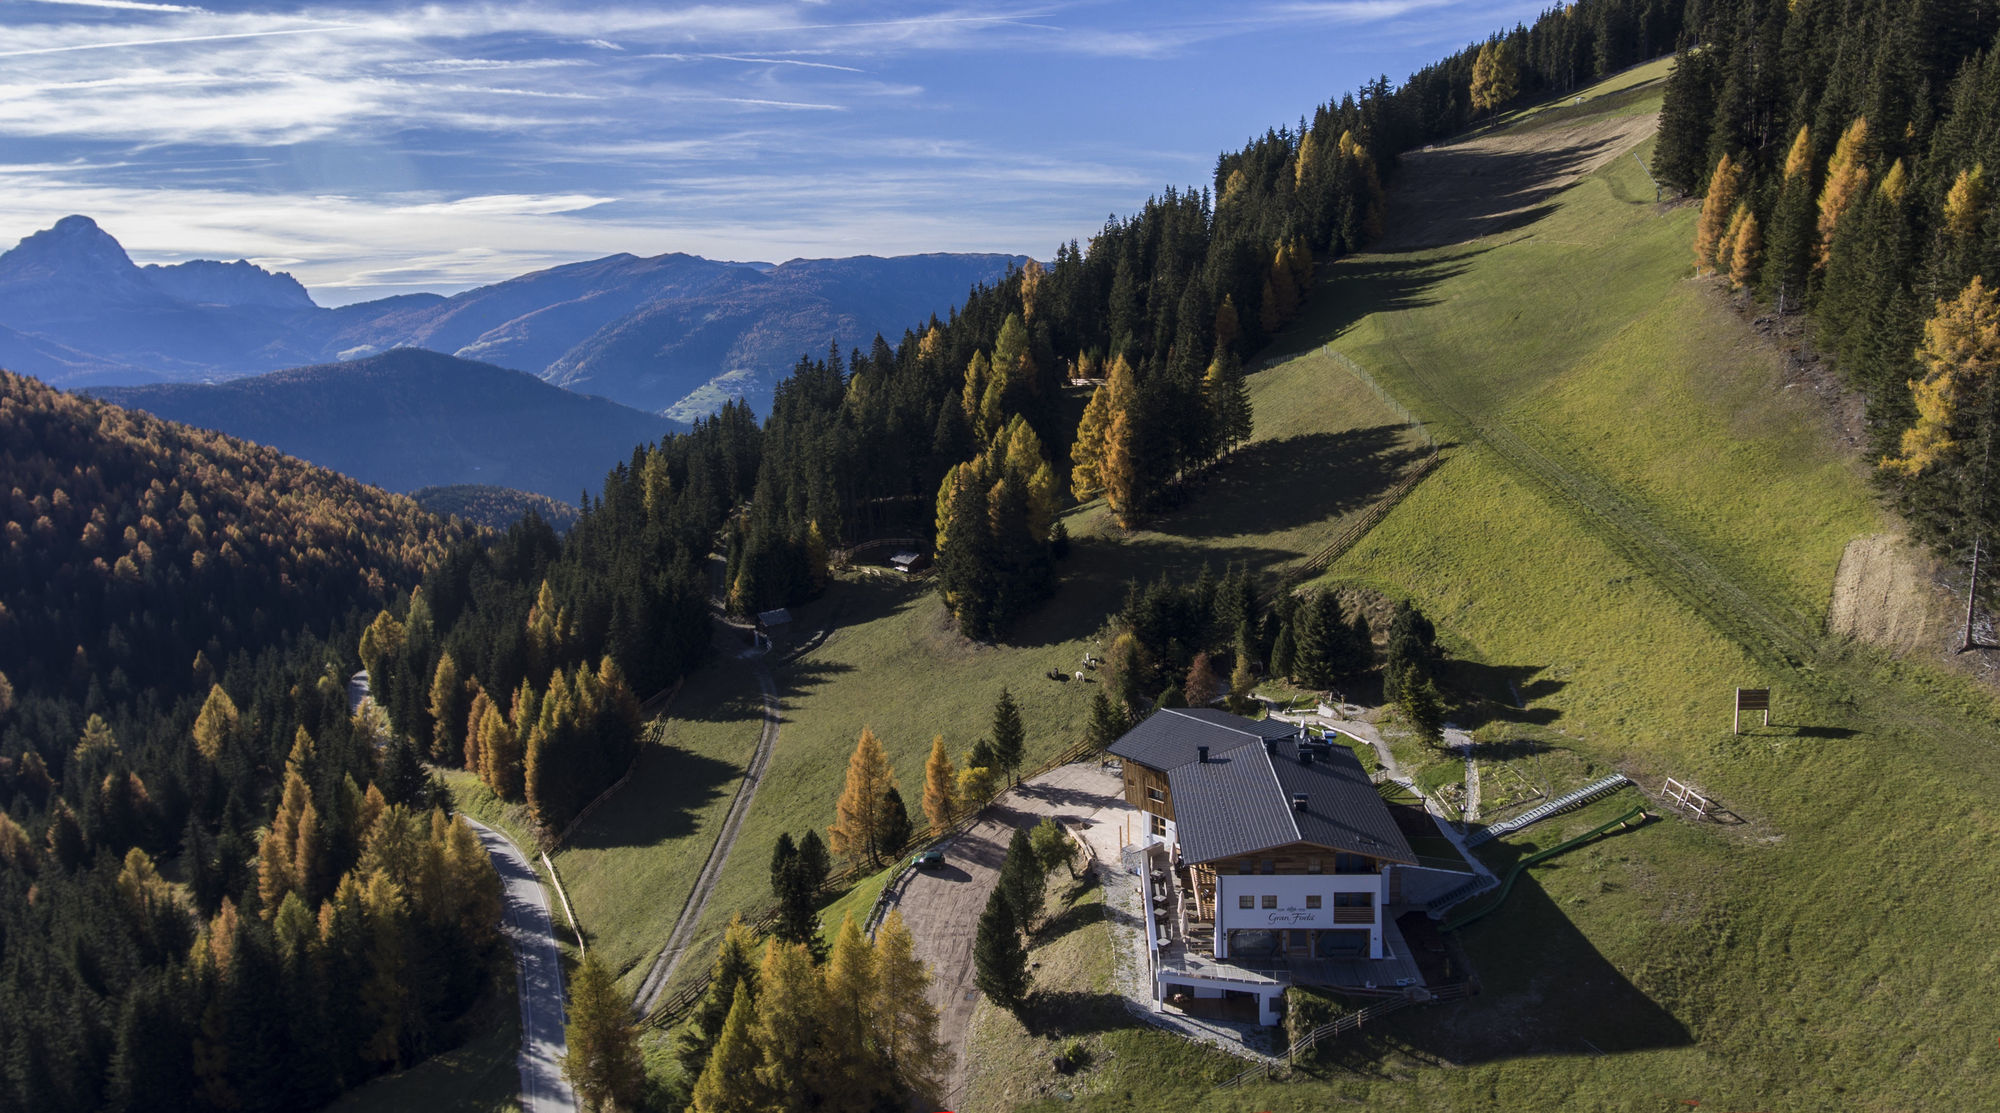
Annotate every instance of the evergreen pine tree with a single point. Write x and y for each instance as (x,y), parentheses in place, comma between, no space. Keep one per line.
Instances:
(1423,706)
(895,821)
(1106,722)
(733,975)
(784,855)
(1000,962)
(1009,736)
(1022,880)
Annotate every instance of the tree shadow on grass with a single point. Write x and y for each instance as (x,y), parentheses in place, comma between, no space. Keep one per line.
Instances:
(1072,1012)
(1351,290)
(669,787)
(1506,692)
(1069,919)
(1266,489)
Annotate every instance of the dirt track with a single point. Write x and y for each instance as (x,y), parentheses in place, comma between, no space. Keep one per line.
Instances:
(942,906)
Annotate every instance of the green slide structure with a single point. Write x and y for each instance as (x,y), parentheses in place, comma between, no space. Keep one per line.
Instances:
(1507,883)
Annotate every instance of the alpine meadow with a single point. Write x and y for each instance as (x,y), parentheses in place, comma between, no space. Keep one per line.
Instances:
(1484,601)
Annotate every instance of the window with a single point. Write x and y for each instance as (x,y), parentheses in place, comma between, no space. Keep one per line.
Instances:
(1267,865)
(1160,825)
(1312,900)
(1246,901)
(1312,865)
(1270,900)
(1353,908)
(1353,863)
(1156,796)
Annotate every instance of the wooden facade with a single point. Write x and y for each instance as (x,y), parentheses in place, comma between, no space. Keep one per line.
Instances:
(1147,791)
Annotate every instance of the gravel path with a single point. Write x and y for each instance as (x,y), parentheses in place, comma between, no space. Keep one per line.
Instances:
(942,906)
(538,971)
(669,959)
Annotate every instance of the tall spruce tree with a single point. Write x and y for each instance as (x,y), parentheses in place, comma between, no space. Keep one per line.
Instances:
(999,960)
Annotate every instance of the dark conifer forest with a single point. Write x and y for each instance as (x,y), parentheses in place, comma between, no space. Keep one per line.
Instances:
(1843,151)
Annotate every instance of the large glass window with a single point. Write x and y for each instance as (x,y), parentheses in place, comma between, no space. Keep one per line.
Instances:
(1160,825)
(1353,863)
(1267,865)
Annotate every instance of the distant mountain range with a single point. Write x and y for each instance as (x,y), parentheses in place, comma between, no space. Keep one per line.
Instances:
(674,334)
(408,419)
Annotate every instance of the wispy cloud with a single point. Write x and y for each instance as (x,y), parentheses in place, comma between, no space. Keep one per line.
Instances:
(374,143)
(118,5)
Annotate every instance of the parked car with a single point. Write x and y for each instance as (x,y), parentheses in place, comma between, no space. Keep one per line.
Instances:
(928,860)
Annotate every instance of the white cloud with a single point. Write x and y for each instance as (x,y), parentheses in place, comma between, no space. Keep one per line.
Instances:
(118,5)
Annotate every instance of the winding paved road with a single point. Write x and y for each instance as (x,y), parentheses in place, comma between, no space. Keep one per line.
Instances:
(662,971)
(538,971)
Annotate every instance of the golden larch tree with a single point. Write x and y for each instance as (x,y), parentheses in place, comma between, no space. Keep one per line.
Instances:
(857,829)
(728,1084)
(1746,250)
(1121,472)
(1960,355)
(602,1060)
(791,1028)
(1965,203)
(1846,183)
(1725,188)
(1496,75)
(940,786)
(217,723)
(853,1077)
(904,1021)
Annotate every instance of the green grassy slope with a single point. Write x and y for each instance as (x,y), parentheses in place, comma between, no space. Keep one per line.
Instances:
(1636,518)
(1326,446)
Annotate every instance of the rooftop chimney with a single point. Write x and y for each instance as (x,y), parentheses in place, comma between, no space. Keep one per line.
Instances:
(1298,801)
(1305,756)
(1203,751)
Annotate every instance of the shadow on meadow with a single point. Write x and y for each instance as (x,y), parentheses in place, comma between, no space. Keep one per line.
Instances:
(669,788)
(1544,990)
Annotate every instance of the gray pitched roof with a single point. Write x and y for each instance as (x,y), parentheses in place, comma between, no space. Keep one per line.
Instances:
(1239,801)
(1169,738)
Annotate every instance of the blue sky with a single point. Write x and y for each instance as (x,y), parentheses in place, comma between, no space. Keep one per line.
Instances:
(383,148)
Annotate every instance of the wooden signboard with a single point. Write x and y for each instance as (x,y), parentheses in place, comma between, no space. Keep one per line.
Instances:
(1751,699)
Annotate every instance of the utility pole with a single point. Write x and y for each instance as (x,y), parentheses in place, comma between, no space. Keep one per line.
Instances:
(1971,597)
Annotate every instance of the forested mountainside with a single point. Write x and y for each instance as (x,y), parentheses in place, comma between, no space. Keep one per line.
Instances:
(178,615)
(495,508)
(1843,150)
(412,418)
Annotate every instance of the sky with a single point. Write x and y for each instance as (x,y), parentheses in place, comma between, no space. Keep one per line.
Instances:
(382,148)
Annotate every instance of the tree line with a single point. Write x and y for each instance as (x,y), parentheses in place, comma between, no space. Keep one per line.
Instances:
(1842,151)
